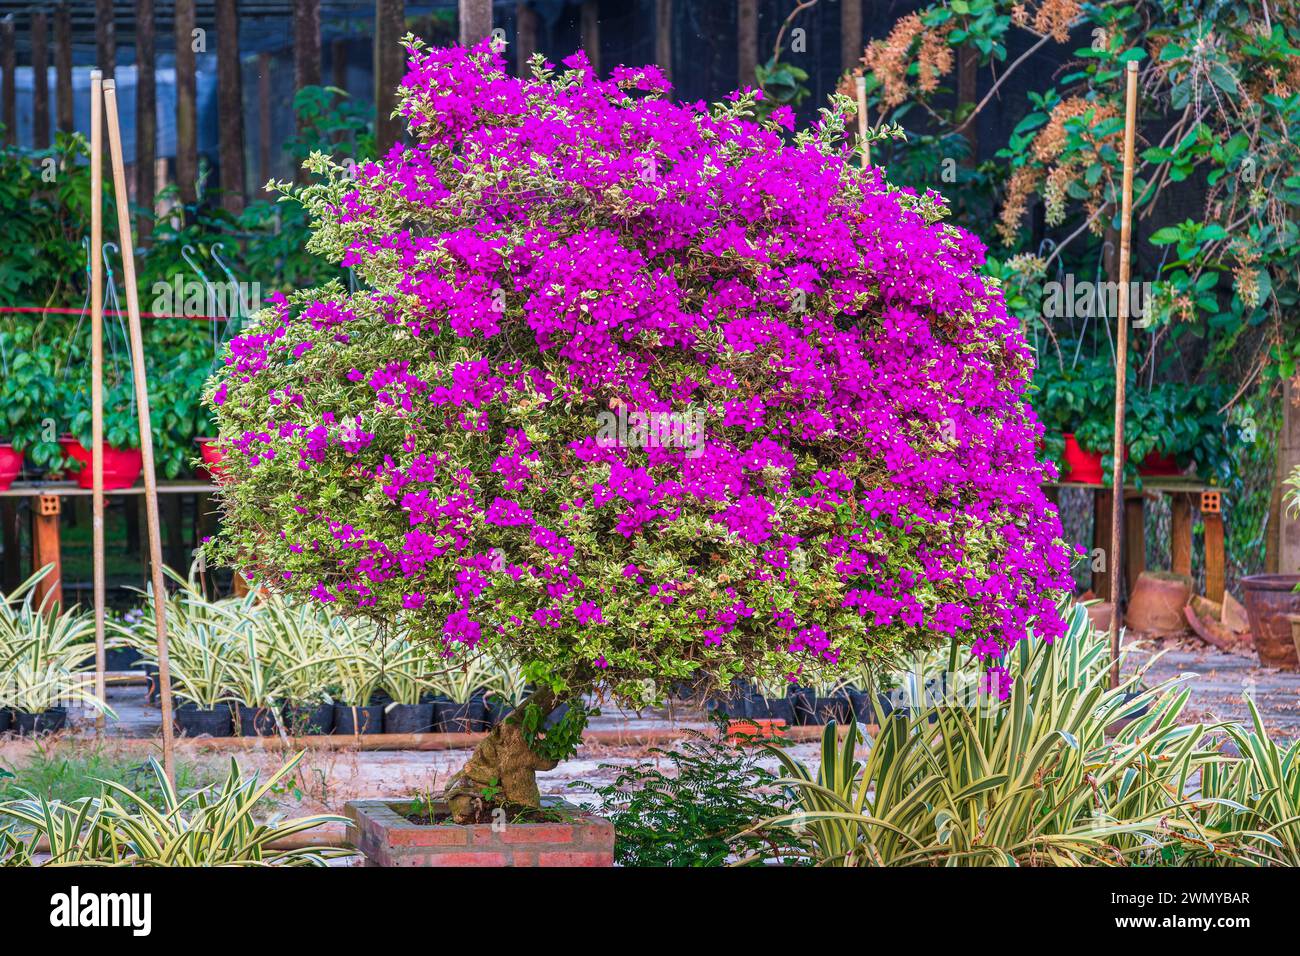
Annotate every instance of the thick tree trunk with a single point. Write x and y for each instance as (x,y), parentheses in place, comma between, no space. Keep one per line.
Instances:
(502,771)
(230,107)
(187,146)
(40,83)
(146,117)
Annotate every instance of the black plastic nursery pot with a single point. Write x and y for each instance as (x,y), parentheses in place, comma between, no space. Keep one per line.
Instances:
(736,703)
(837,707)
(45,722)
(350,720)
(861,704)
(6,719)
(497,710)
(772,708)
(195,721)
(257,722)
(121,659)
(804,700)
(461,718)
(408,718)
(308,720)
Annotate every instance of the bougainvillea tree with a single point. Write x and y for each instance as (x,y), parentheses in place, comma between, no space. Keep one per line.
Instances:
(635,392)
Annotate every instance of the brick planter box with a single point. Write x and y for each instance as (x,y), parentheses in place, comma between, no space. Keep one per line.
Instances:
(386,838)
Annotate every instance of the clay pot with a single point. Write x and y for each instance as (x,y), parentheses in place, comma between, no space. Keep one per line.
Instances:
(1269,598)
(1156,606)
(1099,612)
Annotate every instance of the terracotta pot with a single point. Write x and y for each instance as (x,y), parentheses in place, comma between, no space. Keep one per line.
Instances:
(1269,598)
(1079,465)
(212,456)
(1099,613)
(1156,605)
(122,466)
(11,465)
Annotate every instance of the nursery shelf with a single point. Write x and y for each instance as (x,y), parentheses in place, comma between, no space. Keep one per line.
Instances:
(1186,495)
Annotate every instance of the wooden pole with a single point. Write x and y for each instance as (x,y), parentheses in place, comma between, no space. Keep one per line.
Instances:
(851,42)
(525,37)
(146,430)
(390,58)
(263,120)
(97,371)
(187,148)
(1121,366)
(746,43)
(9,65)
(146,119)
(105,38)
(474,18)
(230,106)
(862,121)
(663,36)
(589,30)
(40,82)
(63,67)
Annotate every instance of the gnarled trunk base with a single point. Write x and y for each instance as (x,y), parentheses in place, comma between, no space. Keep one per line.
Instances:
(501,772)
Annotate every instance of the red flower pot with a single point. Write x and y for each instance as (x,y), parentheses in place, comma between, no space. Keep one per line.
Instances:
(11,465)
(1156,465)
(1081,466)
(212,456)
(122,466)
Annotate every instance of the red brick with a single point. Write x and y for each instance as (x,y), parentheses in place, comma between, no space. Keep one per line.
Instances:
(597,832)
(523,858)
(536,833)
(446,835)
(575,858)
(470,858)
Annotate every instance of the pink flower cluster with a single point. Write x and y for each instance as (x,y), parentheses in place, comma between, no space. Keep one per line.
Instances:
(551,248)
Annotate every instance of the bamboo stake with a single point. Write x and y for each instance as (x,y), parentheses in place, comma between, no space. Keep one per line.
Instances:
(146,430)
(862,121)
(1121,365)
(97,371)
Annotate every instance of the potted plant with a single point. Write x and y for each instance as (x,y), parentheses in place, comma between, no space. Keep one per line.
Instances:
(500,518)
(507,689)
(28,382)
(211,455)
(123,461)
(411,709)
(42,660)
(358,707)
(773,701)
(465,709)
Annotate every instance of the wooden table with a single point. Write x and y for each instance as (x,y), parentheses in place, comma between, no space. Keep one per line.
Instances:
(45,521)
(1185,495)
